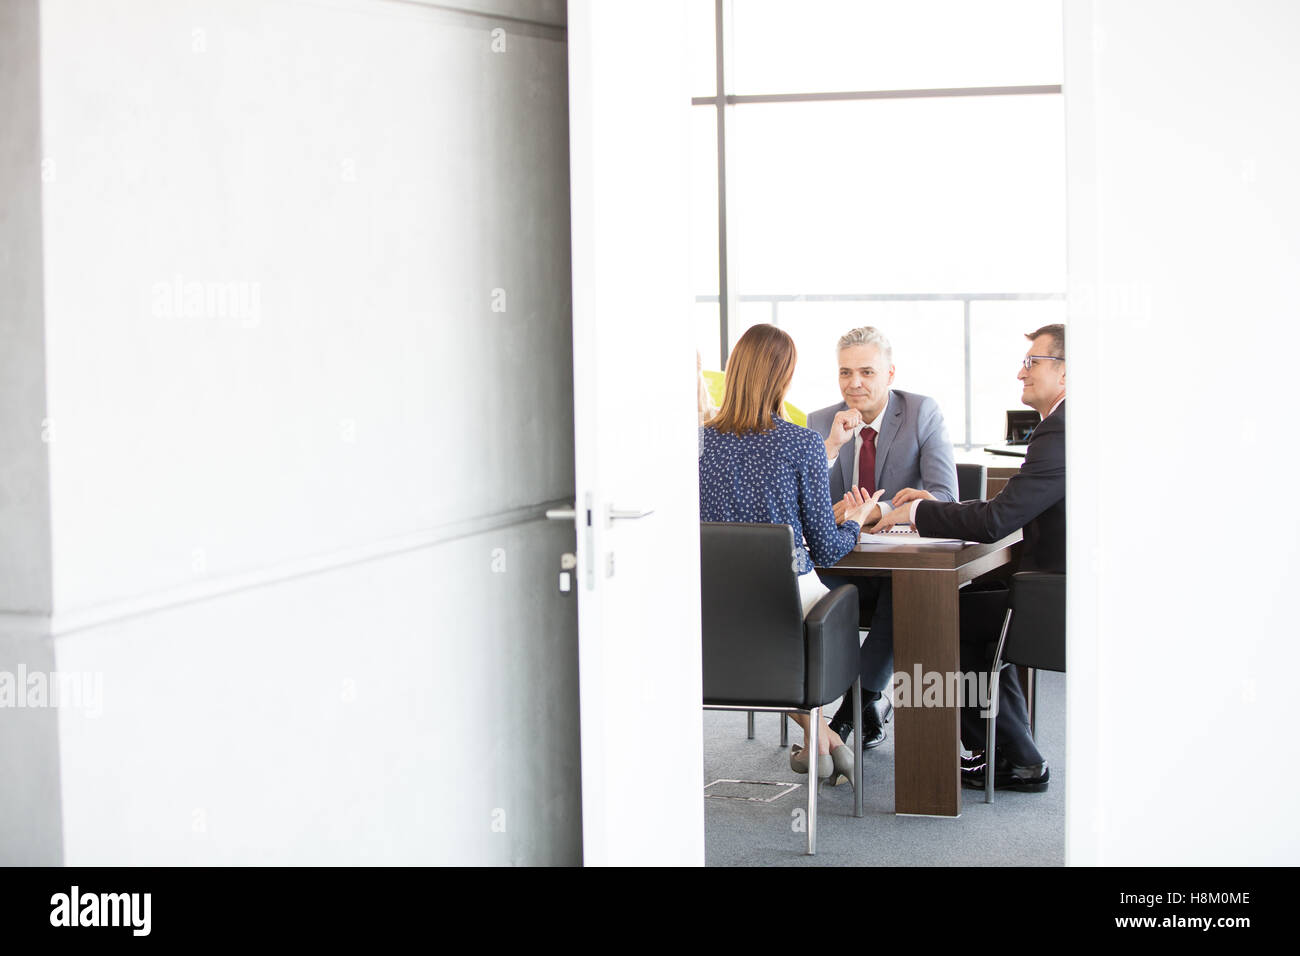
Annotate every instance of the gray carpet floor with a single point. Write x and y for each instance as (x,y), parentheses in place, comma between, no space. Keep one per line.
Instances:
(1019,829)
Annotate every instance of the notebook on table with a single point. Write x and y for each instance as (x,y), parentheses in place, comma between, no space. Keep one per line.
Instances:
(900,534)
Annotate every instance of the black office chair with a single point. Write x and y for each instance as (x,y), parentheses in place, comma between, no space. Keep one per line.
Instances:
(1033,636)
(761,653)
(972,481)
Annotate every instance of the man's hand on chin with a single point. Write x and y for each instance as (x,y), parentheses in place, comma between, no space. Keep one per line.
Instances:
(842,429)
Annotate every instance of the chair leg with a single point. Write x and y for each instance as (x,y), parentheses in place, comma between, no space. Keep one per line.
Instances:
(749,726)
(857,747)
(785,729)
(1032,694)
(814,724)
(990,744)
(991,721)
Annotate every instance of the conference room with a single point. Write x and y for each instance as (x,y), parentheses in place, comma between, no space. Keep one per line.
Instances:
(352,498)
(836,209)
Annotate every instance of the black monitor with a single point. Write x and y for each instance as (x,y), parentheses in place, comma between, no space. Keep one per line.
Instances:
(1021,423)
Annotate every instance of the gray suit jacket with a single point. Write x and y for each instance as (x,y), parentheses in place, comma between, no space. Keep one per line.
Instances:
(912,450)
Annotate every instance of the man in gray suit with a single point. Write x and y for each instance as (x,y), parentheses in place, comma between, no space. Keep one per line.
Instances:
(879,438)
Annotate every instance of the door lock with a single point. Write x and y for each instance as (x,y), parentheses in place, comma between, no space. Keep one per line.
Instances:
(568,561)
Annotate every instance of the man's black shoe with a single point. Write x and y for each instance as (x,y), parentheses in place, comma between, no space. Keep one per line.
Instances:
(1006,777)
(972,763)
(875,714)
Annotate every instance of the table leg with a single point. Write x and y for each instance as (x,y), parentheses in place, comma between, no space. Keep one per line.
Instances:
(927,774)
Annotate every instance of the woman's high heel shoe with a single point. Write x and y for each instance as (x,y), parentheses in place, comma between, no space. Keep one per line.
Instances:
(842,759)
(825,763)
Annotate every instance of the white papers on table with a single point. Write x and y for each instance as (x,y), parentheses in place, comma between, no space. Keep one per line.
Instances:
(894,538)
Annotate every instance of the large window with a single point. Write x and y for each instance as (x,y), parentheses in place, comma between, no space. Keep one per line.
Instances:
(887,164)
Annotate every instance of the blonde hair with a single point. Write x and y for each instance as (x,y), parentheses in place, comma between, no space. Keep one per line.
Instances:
(758,376)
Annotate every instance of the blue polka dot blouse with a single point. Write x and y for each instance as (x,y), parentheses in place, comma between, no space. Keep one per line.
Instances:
(775,477)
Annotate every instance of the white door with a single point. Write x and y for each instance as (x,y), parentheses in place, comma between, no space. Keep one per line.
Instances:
(637,578)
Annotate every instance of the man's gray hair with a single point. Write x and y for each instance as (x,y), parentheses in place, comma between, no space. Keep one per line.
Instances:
(867,335)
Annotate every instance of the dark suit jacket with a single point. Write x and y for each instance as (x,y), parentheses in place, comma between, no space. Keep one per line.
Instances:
(1033,500)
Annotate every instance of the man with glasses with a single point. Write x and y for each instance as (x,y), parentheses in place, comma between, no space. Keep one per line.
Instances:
(1034,500)
(879,437)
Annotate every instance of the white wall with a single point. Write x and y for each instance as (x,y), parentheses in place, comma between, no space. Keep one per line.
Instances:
(362,715)
(1184,239)
(299,536)
(371,171)
(24,465)
(29,827)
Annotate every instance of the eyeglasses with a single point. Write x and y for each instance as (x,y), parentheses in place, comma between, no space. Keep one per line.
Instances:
(1028,363)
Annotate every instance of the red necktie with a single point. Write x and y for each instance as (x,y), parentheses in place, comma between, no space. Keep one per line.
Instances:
(867,461)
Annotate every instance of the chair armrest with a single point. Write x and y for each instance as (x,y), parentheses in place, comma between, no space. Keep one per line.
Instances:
(832,644)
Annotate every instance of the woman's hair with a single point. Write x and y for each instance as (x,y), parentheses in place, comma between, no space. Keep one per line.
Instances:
(758,376)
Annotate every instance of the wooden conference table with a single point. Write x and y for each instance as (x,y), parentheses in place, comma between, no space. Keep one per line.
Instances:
(926,578)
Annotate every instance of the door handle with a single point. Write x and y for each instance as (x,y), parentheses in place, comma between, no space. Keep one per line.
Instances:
(624,514)
(561,514)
